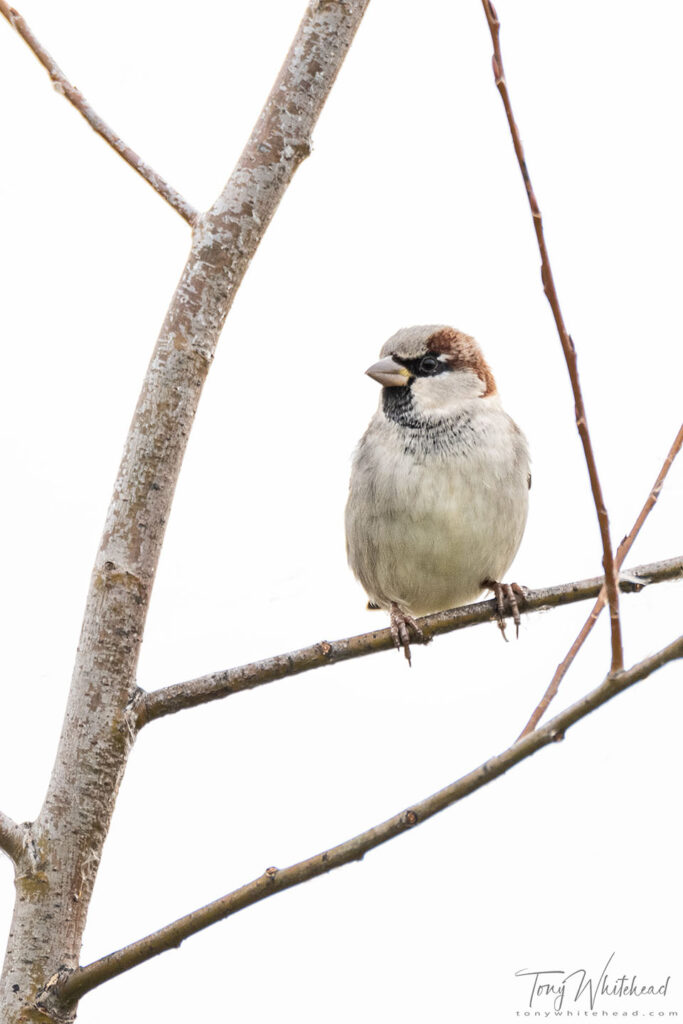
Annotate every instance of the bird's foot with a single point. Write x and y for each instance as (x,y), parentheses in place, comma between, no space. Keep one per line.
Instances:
(506,595)
(401,625)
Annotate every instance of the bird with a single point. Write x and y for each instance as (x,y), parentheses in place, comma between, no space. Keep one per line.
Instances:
(439,489)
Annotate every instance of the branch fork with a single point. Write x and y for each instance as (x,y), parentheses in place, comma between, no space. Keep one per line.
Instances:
(12,838)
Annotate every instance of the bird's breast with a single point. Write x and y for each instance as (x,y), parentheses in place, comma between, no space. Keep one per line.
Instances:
(433,513)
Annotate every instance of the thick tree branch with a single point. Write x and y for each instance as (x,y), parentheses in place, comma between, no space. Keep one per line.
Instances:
(76,98)
(170,699)
(622,551)
(609,563)
(69,987)
(96,737)
(11,837)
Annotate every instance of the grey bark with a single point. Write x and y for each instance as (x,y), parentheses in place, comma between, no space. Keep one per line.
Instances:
(56,869)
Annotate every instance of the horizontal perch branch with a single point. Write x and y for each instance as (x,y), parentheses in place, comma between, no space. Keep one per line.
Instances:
(68,987)
(76,98)
(169,699)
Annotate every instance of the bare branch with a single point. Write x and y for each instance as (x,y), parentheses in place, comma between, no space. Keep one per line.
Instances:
(84,979)
(627,542)
(608,561)
(75,97)
(11,837)
(622,551)
(96,738)
(170,699)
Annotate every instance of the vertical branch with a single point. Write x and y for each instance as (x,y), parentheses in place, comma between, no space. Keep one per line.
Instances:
(608,560)
(97,733)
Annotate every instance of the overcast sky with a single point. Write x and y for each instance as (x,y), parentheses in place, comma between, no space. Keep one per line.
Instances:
(410,210)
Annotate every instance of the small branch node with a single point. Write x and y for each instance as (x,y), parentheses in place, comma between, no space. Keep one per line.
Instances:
(545,278)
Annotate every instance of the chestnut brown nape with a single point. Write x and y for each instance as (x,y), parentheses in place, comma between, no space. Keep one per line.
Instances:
(462,351)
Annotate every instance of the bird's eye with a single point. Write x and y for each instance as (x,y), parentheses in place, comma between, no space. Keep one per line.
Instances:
(428,364)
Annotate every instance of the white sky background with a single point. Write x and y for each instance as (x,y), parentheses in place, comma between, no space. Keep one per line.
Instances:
(410,210)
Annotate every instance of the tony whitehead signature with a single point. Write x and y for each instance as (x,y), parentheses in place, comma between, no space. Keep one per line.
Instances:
(580,985)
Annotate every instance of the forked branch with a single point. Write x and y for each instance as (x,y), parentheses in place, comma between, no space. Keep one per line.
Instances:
(76,98)
(94,745)
(70,987)
(622,551)
(608,561)
(180,696)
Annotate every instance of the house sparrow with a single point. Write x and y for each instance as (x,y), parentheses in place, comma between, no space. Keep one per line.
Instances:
(440,481)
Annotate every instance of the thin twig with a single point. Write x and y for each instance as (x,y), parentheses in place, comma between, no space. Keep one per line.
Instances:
(609,564)
(11,837)
(75,97)
(627,542)
(622,552)
(180,696)
(70,987)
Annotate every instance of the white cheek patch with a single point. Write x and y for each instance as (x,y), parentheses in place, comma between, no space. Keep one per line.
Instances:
(439,395)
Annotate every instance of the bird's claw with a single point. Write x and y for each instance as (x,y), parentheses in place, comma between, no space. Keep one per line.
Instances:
(507,595)
(401,624)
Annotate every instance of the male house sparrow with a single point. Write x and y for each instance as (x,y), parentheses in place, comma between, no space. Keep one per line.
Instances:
(440,482)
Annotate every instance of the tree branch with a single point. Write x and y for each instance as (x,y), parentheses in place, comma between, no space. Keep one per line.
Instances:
(167,701)
(608,561)
(69,987)
(622,551)
(76,98)
(11,837)
(96,737)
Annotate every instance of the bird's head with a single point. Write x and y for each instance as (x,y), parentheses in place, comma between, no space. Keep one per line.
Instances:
(440,366)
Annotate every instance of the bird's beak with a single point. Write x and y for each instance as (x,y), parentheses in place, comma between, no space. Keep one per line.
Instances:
(389,373)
